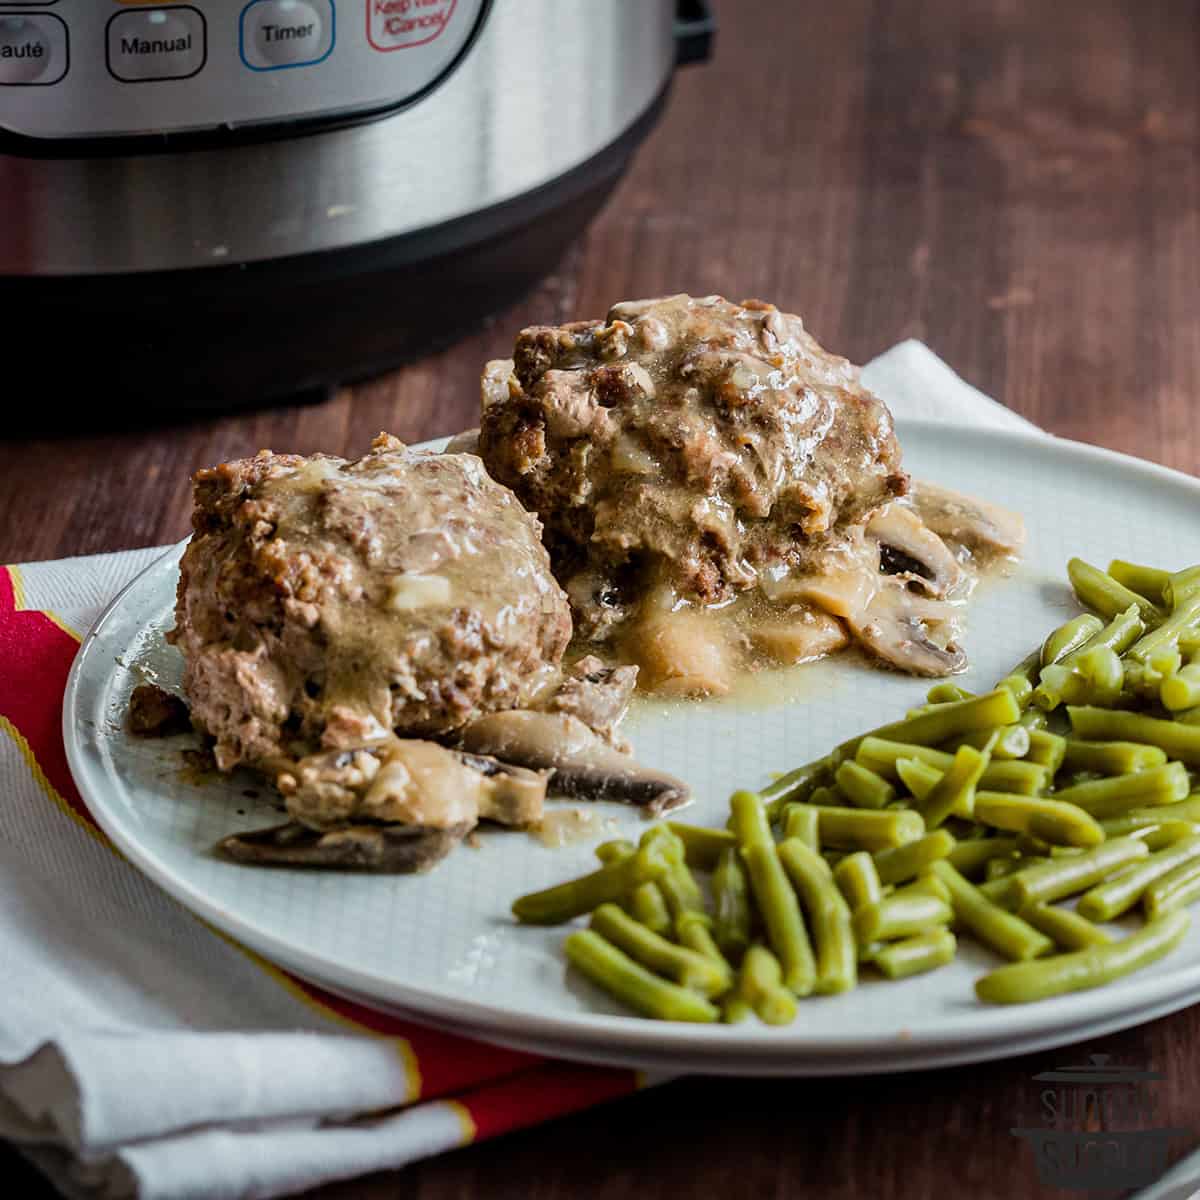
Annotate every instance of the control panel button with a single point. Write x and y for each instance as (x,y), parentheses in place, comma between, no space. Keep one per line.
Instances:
(287,33)
(34,50)
(400,24)
(156,43)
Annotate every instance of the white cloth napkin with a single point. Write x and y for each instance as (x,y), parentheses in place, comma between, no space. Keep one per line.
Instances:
(143,1054)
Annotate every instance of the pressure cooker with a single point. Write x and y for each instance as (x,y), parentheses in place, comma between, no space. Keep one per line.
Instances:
(222,202)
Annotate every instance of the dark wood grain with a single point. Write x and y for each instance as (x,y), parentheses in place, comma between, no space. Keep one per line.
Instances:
(1012,180)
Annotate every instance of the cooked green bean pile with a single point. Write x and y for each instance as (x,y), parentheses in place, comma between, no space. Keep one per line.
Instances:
(1075,779)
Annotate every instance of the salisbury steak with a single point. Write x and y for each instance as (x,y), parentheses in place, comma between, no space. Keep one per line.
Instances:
(685,444)
(323,603)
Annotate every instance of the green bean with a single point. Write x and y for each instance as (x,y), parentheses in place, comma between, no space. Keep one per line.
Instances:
(825,797)
(1094,675)
(1047,750)
(1189,642)
(908,861)
(1034,718)
(760,986)
(1176,889)
(1111,758)
(861,829)
(1108,900)
(735,1010)
(1119,793)
(618,974)
(677,963)
(695,935)
(1182,690)
(801,821)
(797,785)
(1114,725)
(683,895)
(862,787)
(748,820)
(828,916)
(998,891)
(942,722)
(970,856)
(1002,868)
(1047,882)
(1145,680)
(1146,581)
(1003,931)
(1181,585)
(1185,810)
(858,880)
(1118,635)
(882,755)
(919,777)
(1051,820)
(955,791)
(701,846)
(1184,619)
(916,955)
(946,693)
(1152,829)
(1100,591)
(1012,741)
(1093,967)
(646,904)
(1067,929)
(731,905)
(1068,638)
(899,916)
(1020,682)
(615,851)
(1190,716)
(780,910)
(567,900)
(926,884)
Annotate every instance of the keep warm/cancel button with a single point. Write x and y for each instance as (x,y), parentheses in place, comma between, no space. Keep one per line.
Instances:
(157,43)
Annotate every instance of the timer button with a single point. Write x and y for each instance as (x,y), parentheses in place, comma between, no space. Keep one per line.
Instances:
(156,43)
(33,50)
(286,33)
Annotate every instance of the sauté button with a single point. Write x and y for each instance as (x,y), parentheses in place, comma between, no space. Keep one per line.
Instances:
(156,43)
(287,33)
(33,50)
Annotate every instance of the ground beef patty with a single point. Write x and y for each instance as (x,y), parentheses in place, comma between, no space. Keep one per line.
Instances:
(322,602)
(698,438)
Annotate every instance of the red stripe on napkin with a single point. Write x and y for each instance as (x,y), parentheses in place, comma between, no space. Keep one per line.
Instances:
(37,654)
(554,1090)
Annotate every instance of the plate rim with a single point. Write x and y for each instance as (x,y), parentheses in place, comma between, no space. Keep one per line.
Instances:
(631,1033)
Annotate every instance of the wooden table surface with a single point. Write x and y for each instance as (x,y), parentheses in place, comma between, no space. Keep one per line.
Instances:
(1014,182)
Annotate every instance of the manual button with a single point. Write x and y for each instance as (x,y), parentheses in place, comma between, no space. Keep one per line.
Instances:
(287,33)
(33,50)
(156,43)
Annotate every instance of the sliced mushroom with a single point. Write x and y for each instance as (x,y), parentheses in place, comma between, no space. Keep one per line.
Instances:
(583,764)
(383,848)
(984,528)
(897,627)
(911,551)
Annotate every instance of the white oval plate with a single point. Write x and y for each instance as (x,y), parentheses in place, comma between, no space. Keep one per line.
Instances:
(443,946)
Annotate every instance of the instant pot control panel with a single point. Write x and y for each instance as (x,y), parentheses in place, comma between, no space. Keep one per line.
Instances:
(72,69)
